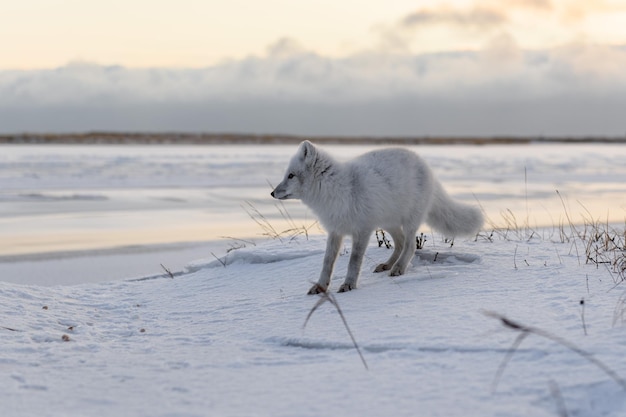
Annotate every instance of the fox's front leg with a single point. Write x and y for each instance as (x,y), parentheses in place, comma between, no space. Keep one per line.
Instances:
(359,244)
(332,250)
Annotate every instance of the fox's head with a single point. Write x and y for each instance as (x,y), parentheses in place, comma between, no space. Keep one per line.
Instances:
(298,176)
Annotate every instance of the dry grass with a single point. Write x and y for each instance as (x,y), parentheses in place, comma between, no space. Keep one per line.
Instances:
(509,228)
(291,232)
(619,314)
(420,241)
(603,245)
(525,331)
(327,296)
(167,271)
(382,239)
(593,241)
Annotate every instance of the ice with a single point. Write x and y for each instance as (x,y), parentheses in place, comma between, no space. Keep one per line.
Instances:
(79,197)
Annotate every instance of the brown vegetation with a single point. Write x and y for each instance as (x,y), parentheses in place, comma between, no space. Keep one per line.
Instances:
(114,138)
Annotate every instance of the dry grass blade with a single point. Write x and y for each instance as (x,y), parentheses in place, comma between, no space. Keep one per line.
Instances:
(563,342)
(619,314)
(238,243)
(261,220)
(220,260)
(323,298)
(509,354)
(169,273)
(327,296)
(506,322)
(569,220)
(292,232)
(571,225)
(9,329)
(558,397)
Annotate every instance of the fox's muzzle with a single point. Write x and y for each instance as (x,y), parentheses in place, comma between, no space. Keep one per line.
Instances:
(280,195)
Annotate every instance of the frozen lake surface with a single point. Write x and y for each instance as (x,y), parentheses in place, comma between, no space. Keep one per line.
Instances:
(59,199)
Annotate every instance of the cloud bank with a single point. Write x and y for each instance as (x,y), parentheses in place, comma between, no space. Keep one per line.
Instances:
(578,89)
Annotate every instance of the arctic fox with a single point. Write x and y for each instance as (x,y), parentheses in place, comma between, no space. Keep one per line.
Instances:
(390,188)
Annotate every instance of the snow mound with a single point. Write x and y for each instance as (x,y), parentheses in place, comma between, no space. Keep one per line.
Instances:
(425,257)
(268,253)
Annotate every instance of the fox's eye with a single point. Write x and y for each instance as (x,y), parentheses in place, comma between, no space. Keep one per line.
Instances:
(290,176)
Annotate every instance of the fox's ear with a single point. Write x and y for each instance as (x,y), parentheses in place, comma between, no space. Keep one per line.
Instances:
(307,151)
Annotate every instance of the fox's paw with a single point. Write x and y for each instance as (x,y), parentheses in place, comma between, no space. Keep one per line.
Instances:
(382,267)
(316,289)
(345,287)
(396,271)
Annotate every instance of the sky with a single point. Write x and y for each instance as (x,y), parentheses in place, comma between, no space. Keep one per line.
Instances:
(402,68)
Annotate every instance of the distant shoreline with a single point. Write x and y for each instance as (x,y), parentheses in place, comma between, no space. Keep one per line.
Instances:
(115,138)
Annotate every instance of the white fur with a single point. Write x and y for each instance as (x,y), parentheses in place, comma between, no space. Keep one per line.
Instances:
(391,188)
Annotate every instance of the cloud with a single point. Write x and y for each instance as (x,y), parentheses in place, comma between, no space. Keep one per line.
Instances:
(576,11)
(500,89)
(478,18)
(531,4)
(285,47)
(534,23)
(457,27)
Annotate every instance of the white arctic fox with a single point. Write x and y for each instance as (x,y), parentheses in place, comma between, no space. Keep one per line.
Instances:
(391,188)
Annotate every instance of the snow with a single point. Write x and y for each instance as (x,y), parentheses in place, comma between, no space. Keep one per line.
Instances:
(229,340)
(225,336)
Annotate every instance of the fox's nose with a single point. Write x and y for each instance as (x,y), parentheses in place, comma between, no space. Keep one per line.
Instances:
(272,194)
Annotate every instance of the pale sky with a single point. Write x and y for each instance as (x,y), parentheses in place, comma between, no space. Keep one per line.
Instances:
(40,34)
(323,67)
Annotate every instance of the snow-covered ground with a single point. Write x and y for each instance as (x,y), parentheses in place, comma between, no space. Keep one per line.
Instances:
(226,338)
(229,340)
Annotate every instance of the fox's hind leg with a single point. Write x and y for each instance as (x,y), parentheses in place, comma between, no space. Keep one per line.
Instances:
(398,244)
(408,250)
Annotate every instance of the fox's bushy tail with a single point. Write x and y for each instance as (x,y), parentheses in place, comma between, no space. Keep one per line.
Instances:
(451,217)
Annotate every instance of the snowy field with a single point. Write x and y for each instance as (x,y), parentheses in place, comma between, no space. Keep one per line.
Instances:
(229,340)
(225,337)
